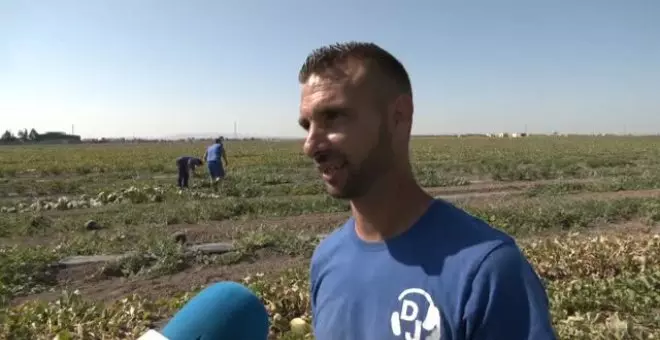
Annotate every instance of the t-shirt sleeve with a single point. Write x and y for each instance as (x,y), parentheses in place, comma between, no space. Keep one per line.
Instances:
(508,300)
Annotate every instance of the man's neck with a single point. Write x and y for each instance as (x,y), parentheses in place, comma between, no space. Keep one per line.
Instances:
(386,213)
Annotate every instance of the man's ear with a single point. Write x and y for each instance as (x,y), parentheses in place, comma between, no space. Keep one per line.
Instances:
(403,110)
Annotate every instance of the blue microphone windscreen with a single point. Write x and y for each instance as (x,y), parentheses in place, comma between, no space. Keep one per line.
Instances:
(222,311)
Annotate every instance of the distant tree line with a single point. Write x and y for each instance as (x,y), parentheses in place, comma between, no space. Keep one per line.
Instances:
(23,136)
(122,140)
(33,137)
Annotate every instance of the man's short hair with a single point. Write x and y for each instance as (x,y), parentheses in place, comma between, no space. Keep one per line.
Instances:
(329,56)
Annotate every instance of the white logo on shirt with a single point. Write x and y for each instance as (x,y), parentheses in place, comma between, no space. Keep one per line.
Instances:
(410,312)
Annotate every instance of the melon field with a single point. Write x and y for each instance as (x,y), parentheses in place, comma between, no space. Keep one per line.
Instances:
(96,241)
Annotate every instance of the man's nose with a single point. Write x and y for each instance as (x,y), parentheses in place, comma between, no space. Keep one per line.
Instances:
(316,141)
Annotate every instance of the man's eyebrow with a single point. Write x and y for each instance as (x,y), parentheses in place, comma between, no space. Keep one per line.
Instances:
(330,109)
(321,113)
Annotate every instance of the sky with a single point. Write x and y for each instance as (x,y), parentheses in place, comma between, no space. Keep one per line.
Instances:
(159,68)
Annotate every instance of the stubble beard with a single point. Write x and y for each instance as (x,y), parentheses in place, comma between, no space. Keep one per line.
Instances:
(361,177)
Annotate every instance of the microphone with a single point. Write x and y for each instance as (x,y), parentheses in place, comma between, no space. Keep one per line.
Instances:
(223,311)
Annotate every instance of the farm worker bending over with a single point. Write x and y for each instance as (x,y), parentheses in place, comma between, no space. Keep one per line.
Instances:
(405,265)
(213,161)
(185,164)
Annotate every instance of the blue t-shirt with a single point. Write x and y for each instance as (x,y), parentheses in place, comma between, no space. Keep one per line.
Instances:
(451,277)
(214,152)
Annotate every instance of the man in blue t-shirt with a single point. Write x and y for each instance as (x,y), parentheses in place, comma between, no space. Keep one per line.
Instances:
(185,165)
(213,161)
(405,265)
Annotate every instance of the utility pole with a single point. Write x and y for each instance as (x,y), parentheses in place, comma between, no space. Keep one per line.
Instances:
(235,131)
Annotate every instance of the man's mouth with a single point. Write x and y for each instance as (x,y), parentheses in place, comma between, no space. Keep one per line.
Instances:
(329,168)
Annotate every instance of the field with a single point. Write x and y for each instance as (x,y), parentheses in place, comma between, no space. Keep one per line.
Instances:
(585,211)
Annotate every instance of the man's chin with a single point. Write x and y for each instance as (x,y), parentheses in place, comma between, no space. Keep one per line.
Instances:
(338,192)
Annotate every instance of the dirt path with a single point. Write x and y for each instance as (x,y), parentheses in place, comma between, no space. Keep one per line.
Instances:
(111,288)
(319,223)
(634,228)
(315,223)
(475,187)
(478,190)
(490,186)
(108,289)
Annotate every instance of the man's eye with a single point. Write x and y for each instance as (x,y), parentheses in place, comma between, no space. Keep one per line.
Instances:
(334,115)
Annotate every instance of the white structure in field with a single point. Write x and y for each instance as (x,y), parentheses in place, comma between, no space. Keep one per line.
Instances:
(508,135)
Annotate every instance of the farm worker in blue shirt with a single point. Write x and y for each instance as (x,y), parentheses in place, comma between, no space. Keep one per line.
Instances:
(186,164)
(213,161)
(405,265)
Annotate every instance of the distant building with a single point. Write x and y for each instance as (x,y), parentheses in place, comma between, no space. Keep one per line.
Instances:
(55,137)
(508,135)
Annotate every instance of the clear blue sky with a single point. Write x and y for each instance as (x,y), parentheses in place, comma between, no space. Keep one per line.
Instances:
(164,67)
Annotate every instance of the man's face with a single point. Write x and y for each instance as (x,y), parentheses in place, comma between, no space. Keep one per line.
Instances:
(347,132)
